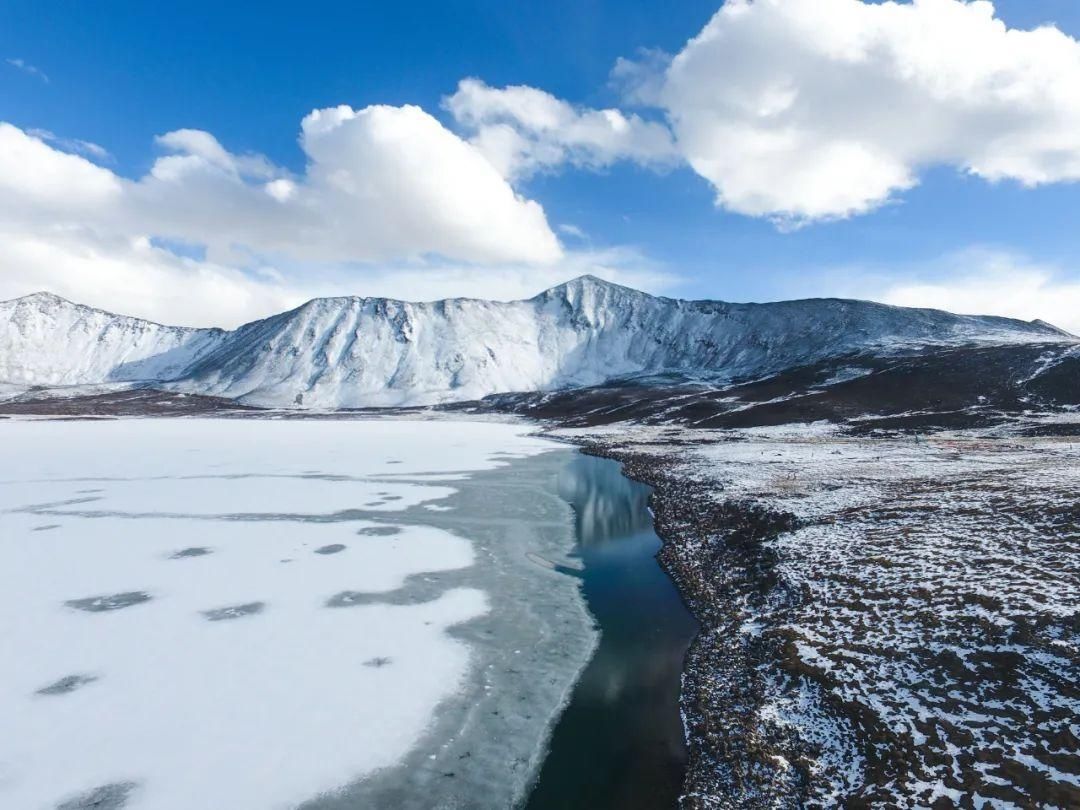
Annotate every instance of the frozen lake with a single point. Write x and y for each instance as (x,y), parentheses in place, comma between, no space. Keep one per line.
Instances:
(272,614)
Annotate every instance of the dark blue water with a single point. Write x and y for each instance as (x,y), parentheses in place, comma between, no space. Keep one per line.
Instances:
(619,743)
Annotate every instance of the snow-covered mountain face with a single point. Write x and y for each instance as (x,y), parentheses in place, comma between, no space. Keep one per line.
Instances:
(356,352)
(45,340)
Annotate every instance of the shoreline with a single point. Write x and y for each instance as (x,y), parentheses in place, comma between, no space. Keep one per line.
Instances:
(720,761)
(834,663)
(536,624)
(620,743)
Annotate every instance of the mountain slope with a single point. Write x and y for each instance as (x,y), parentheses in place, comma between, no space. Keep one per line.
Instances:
(46,340)
(353,352)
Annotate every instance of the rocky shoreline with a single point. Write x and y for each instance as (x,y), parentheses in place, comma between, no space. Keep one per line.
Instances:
(885,641)
(715,555)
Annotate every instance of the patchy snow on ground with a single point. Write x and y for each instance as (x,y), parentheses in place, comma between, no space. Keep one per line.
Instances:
(918,615)
(190,611)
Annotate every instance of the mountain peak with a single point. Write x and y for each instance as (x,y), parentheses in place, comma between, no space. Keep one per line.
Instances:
(587,282)
(43,297)
(1049,326)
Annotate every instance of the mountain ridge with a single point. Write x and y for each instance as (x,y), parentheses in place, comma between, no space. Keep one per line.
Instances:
(585,280)
(354,351)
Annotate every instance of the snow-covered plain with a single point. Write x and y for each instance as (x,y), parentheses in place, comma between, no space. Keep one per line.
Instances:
(190,611)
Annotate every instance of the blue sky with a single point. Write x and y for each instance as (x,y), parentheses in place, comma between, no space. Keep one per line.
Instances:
(118,74)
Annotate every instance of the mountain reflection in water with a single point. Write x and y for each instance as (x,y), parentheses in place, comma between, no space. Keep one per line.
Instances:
(607,505)
(619,743)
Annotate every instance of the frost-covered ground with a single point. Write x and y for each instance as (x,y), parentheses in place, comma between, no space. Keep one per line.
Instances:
(889,621)
(258,613)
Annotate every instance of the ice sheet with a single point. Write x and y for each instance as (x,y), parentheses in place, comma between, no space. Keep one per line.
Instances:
(160,653)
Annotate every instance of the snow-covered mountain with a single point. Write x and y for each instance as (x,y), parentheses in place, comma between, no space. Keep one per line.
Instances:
(46,340)
(353,352)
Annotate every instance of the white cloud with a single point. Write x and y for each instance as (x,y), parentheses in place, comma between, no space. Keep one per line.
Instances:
(40,182)
(814,109)
(391,203)
(192,145)
(382,183)
(26,67)
(971,282)
(389,179)
(804,110)
(523,130)
(130,276)
(281,189)
(133,276)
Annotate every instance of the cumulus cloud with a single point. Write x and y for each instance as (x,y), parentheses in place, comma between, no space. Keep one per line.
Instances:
(382,183)
(416,182)
(813,109)
(192,146)
(523,130)
(390,203)
(805,110)
(38,182)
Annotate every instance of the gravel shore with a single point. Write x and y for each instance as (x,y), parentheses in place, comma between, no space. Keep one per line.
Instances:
(886,621)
